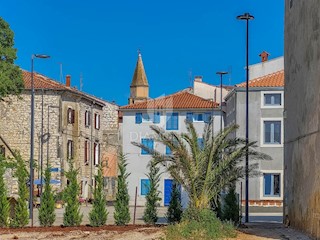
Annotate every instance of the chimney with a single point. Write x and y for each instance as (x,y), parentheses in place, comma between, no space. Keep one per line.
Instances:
(198,78)
(68,80)
(264,56)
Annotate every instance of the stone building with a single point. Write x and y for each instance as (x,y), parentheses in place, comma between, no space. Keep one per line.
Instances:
(302,115)
(69,124)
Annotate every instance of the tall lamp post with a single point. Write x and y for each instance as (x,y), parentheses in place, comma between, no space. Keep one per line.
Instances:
(33,56)
(247,17)
(221,74)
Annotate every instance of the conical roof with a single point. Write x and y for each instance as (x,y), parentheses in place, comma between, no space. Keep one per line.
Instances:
(139,76)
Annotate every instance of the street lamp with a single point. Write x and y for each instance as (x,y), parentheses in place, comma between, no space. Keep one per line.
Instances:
(33,56)
(221,74)
(247,17)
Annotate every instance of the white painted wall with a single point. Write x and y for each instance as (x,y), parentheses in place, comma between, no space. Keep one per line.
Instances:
(208,91)
(265,68)
(137,163)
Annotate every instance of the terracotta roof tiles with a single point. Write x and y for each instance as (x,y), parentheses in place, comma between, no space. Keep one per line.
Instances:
(275,79)
(180,100)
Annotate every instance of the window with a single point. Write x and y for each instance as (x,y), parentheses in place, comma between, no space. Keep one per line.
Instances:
(71,113)
(70,149)
(138,118)
(271,99)
(271,185)
(200,143)
(96,149)
(156,117)
(172,121)
(148,142)
(96,121)
(2,150)
(86,152)
(146,117)
(198,117)
(272,132)
(168,151)
(87,118)
(144,186)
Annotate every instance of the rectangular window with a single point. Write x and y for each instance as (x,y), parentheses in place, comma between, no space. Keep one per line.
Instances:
(138,118)
(272,99)
(148,142)
(96,121)
(172,121)
(271,184)
(198,117)
(272,132)
(87,118)
(2,150)
(96,149)
(70,149)
(70,114)
(189,117)
(156,117)
(86,152)
(144,187)
(146,117)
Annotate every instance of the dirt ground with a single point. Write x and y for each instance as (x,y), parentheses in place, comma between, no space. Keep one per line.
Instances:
(255,231)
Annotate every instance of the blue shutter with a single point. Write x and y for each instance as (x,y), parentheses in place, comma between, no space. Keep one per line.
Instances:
(168,151)
(189,117)
(207,117)
(267,184)
(169,122)
(138,118)
(145,186)
(156,117)
(150,143)
(175,119)
(200,143)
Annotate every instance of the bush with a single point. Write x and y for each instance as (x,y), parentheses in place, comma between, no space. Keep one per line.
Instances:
(4,203)
(121,213)
(47,214)
(230,210)
(200,224)
(174,212)
(98,215)
(72,216)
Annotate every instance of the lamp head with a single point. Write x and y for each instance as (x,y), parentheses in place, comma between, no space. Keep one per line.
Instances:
(40,56)
(221,73)
(245,16)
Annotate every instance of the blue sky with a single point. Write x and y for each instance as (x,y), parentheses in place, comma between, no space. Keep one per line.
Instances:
(178,40)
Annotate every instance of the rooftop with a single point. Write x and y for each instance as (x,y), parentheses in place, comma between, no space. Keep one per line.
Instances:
(179,100)
(275,79)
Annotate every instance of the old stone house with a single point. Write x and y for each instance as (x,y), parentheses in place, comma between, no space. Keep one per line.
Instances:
(69,124)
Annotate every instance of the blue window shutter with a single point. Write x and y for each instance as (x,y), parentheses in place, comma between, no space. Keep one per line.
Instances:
(200,143)
(150,143)
(172,121)
(175,121)
(168,151)
(189,117)
(267,184)
(145,186)
(156,117)
(207,117)
(168,121)
(138,118)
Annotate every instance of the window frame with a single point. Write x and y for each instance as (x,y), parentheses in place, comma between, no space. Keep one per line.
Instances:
(87,152)
(198,114)
(96,154)
(87,118)
(140,185)
(144,120)
(275,119)
(263,105)
(97,121)
(70,149)
(171,115)
(70,115)
(271,197)
(142,153)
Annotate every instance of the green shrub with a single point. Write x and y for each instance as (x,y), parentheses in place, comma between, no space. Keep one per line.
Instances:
(4,203)
(230,210)
(200,224)
(47,214)
(121,208)
(99,214)
(174,212)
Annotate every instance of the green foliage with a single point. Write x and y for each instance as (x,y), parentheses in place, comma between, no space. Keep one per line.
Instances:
(72,216)
(200,224)
(47,214)
(174,212)
(231,210)
(121,213)
(203,171)
(21,217)
(150,215)
(98,215)
(10,74)
(4,203)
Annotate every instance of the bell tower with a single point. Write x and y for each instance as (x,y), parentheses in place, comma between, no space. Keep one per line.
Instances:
(139,88)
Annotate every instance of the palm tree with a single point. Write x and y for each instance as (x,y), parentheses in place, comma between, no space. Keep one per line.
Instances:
(204,169)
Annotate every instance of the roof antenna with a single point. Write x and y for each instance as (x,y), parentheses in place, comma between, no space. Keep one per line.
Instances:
(81,84)
(61,74)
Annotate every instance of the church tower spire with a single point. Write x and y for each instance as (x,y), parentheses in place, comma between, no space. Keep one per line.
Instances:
(139,88)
